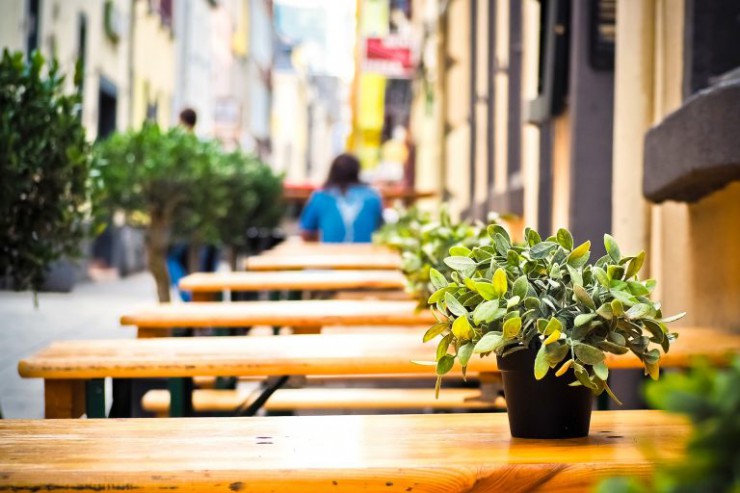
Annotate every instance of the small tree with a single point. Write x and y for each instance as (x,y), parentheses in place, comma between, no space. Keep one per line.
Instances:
(181,187)
(44,168)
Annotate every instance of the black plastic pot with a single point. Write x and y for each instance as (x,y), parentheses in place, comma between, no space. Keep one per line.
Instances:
(547,408)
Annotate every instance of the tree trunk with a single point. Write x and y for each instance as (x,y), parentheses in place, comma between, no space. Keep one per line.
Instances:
(194,256)
(158,240)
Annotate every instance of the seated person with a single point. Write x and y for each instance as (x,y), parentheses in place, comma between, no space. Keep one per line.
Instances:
(344,210)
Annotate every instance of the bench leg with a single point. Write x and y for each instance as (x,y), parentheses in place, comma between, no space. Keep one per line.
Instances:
(122,398)
(64,398)
(95,398)
(181,397)
(270,389)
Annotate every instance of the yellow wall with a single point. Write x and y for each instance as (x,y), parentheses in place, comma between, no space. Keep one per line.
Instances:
(692,247)
(154,70)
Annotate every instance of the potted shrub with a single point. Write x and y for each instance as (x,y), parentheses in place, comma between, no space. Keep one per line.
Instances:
(44,173)
(551,318)
(424,242)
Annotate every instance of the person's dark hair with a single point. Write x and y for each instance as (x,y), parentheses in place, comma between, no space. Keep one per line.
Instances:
(344,172)
(188,117)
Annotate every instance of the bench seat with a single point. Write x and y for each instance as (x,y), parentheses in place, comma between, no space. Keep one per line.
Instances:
(323,399)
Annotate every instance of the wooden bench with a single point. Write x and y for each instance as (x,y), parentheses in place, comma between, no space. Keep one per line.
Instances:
(66,366)
(454,453)
(157,320)
(327,399)
(296,246)
(288,280)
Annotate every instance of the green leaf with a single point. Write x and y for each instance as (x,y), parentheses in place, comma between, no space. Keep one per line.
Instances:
(623,298)
(556,352)
(612,248)
(565,239)
(512,302)
(673,318)
(542,250)
(639,310)
(454,306)
(445,364)
(637,288)
(486,290)
(652,369)
(635,265)
(466,265)
(575,258)
(489,342)
(435,330)
(485,312)
(600,275)
(530,302)
(521,287)
(464,353)
(583,319)
(615,271)
(601,370)
(443,345)
(438,280)
(583,377)
(541,365)
(588,354)
(512,327)
(461,328)
(500,283)
(438,295)
(460,251)
(583,296)
(605,311)
(552,325)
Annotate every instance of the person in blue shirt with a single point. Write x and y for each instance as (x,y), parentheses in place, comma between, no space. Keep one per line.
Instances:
(345,210)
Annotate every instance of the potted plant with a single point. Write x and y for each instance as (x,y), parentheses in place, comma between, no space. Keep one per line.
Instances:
(44,173)
(424,242)
(551,318)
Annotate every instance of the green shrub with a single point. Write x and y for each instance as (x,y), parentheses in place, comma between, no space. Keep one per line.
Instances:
(44,166)
(710,398)
(183,188)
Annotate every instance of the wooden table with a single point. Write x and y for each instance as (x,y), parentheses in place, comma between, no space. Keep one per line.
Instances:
(158,319)
(66,366)
(296,246)
(450,453)
(309,280)
(339,261)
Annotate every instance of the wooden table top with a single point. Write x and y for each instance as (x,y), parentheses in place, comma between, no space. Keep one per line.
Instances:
(308,313)
(324,260)
(321,354)
(451,453)
(309,280)
(296,246)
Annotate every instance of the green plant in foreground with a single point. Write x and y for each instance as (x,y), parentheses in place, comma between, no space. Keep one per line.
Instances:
(545,296)
(711,400)
(44,167)
(424,242)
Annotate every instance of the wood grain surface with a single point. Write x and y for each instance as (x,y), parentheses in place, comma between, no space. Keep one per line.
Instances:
(309,280)
(305,313)
(321,354)
(339,260)
(442,453)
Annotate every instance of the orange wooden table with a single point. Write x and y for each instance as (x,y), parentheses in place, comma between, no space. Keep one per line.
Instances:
(309,280)
(438,453)
(157,320)
(339,260)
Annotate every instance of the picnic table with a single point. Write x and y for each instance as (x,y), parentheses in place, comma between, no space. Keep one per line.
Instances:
(453,453)
(74,370)
(311,314)
(286,280)
(324,260)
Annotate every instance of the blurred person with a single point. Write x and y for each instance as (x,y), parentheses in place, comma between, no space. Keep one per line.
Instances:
(345,210)
(188,119)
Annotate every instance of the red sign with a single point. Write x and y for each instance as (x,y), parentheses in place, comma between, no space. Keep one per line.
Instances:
(390,56)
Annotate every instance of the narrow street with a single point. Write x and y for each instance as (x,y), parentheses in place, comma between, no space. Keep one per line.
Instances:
(91,311)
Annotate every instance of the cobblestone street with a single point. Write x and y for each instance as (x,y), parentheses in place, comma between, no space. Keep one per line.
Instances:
(91,311)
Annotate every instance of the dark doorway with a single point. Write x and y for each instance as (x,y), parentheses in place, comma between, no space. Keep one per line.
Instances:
(107,108)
